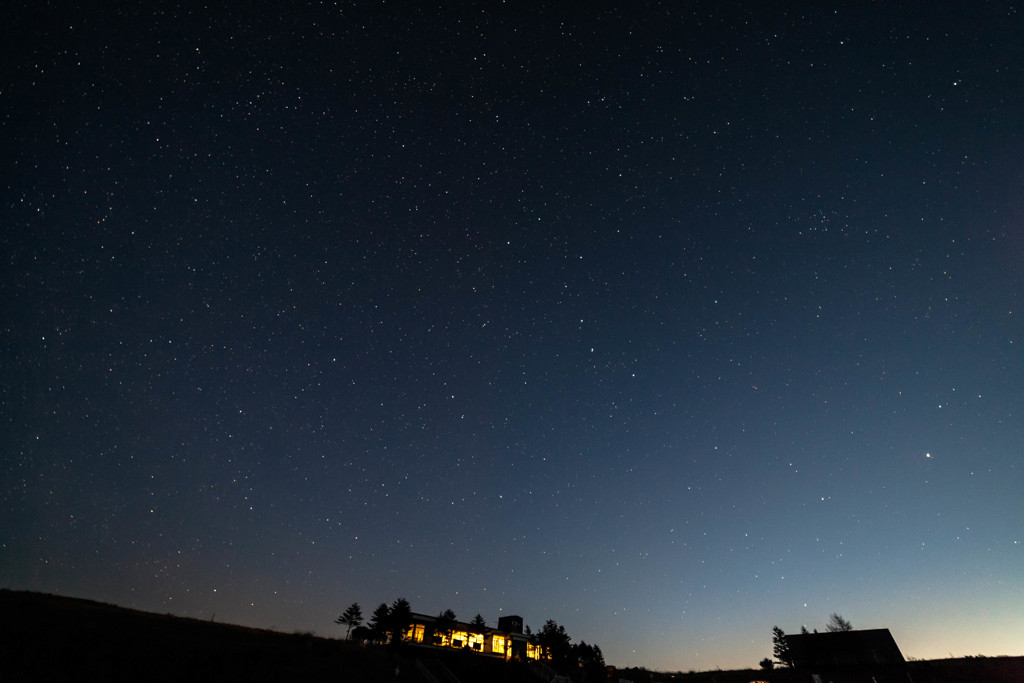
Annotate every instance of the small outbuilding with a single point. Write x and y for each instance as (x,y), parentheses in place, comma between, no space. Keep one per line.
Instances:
(870,653)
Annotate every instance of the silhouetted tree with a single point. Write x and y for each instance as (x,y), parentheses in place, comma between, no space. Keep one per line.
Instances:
(399,620)
(554,643)
(780,647)
(531,637)
(444,625)
(590,659)
(362,634)
(477,626)
(803,631)
(767,664)
(380,622)
(352,617)
(587,654)
(836,623)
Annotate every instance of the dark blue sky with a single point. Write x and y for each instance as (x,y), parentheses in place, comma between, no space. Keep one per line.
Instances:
(669,323)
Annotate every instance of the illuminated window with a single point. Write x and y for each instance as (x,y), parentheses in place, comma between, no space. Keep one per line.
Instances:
(532,651)
(416,633)
(498,644)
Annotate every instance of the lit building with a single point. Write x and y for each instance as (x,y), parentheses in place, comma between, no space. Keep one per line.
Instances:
(507,640)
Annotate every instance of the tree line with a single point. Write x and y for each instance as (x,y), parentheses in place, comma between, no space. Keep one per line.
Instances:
(387,624)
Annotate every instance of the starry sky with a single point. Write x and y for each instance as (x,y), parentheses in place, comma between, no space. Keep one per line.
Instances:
(669,323)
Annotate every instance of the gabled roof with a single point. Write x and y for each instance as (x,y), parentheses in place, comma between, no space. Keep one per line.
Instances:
(844,649)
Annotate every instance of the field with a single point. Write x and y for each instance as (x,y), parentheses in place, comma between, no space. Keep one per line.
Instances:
(47,638)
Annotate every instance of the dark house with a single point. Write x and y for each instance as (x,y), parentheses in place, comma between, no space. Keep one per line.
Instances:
(844,649)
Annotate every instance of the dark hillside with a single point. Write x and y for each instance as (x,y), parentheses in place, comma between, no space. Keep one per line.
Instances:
(49,638)
(969,670)
(965,670)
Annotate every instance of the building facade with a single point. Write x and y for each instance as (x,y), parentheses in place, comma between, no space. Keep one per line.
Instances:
(507,640)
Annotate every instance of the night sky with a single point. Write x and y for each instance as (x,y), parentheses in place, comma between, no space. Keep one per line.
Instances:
(669,323)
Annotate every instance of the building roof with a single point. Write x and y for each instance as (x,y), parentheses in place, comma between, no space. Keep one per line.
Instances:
(844,649)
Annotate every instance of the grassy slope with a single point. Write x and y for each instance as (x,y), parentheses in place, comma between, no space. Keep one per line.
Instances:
(49,638)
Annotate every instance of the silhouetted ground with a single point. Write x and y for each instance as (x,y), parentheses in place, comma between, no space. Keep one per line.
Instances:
(966,670)
(49,638)
(969,670)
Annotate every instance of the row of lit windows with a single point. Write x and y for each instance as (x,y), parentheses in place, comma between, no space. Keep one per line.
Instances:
(474,641)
